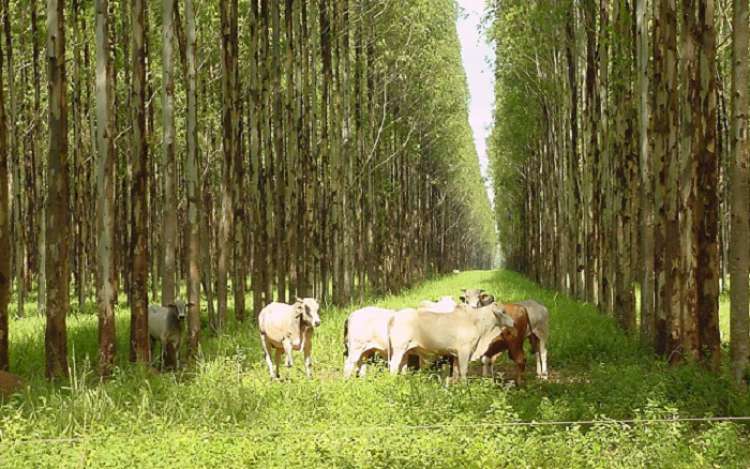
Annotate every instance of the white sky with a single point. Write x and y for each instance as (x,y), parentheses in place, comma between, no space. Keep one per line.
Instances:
(477,56)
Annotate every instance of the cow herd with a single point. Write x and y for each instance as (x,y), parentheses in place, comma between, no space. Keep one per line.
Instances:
(477,328)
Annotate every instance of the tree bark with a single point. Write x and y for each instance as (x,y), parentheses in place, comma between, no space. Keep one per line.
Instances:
(139,338)
(739,247)
(647,207)
(58,216)
(170,160)
(105,193)
(5,261)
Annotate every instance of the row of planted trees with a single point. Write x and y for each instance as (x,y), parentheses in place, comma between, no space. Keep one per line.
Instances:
(620,158)
(264,148)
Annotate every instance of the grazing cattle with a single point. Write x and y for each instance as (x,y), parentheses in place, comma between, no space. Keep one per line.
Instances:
(531,319)
(365,334)
(511,340)
(476,297)
(9,384)
(464,336)
(538,333)
(165,325)
(288,327)
(445,304)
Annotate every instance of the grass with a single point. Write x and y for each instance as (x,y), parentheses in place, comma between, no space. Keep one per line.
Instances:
(225,411)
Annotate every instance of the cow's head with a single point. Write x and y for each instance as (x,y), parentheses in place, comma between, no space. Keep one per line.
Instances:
(476,297)
(307,310)
(180,307)
(502,318)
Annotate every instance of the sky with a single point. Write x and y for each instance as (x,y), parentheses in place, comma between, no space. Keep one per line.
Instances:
(476,55)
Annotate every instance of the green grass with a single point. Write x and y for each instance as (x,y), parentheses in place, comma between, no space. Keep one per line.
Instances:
(226,412)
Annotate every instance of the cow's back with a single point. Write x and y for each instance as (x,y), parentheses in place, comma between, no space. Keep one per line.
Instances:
(157,320)
(274,320)
(431,331)
(538,316)
(368,327)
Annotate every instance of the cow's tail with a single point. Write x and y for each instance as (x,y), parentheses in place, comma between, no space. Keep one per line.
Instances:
(346,337)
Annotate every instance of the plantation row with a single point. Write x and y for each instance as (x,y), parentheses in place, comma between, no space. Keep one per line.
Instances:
(621,162)
(283,148)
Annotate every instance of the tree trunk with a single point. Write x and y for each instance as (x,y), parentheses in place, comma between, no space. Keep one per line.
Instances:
(58,217)
(739,247)
(139,338)
(105,180)
(705,209)
(229,60)
(170,160)
(5,261)
(193,189)
(647,207)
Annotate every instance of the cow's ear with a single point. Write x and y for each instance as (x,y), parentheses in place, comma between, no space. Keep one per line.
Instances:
(486,299)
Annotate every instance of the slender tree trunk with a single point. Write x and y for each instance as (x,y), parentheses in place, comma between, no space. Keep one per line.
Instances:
(58,216)
(705,344)
(193,188)
(170,161)
(739,247)
(139,339)
(105,180)
(229,60)
(5,261)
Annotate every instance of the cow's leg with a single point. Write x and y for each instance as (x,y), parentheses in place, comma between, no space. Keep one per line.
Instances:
(537,354)
(395,365)
(287,351)
(266,351)
(543,358)
(307,350)
(350,363)
(463,366)
(277,362)
(487,363)
(517,355)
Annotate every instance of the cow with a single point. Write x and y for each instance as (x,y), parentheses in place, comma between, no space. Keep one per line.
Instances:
(511,340)
(464,336)
(531,319)
(288,327)
(165,325)
(476,297)
(445,304)
(538,334)
(365,335)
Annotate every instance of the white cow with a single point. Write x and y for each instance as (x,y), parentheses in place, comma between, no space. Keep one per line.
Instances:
(464,336)
(288,327)
(538,333)
(365,334)
(445,304)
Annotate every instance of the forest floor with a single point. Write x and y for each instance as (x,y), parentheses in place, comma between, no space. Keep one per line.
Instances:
(225,411)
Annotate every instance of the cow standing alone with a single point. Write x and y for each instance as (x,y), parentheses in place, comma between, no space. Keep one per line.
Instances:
(288,327)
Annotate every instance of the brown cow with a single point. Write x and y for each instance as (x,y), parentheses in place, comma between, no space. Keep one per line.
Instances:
(510,340)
